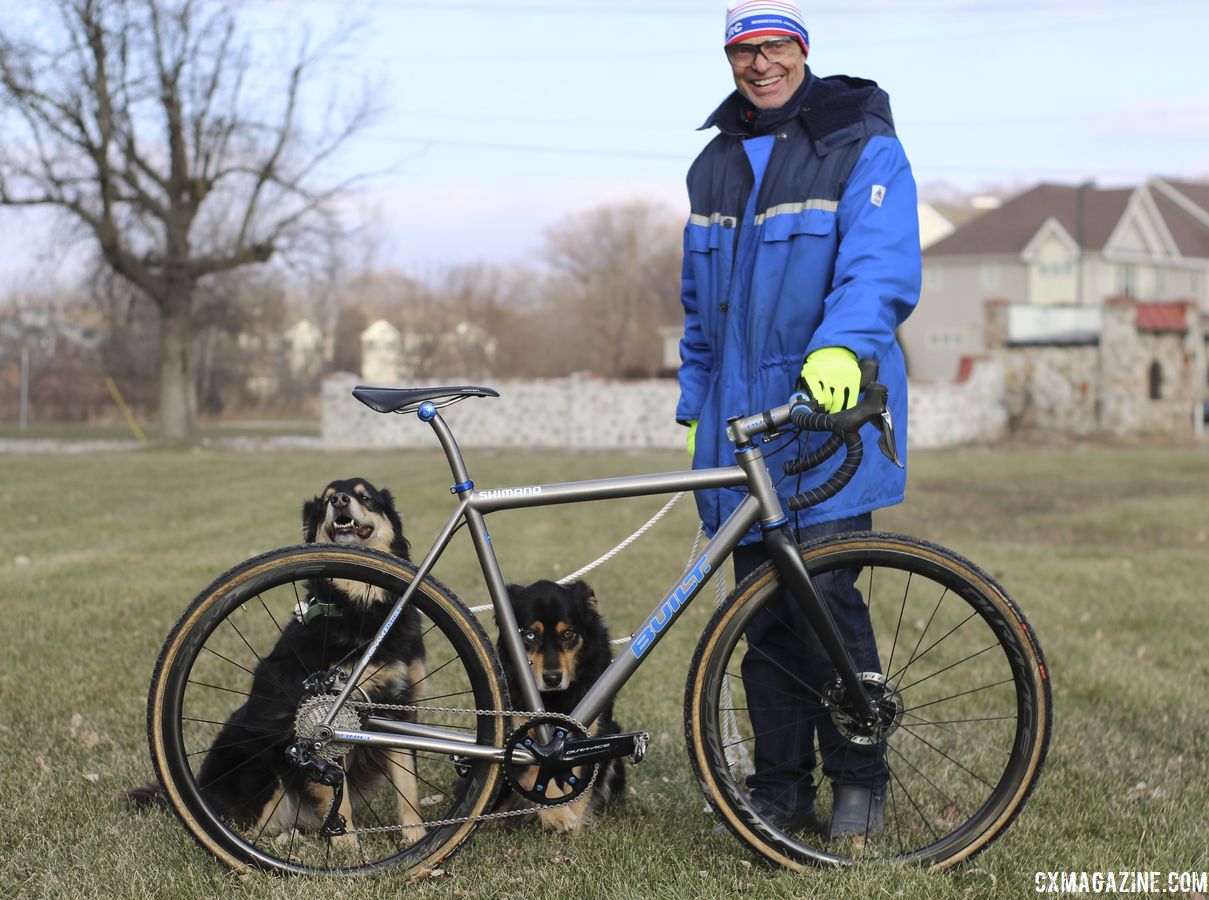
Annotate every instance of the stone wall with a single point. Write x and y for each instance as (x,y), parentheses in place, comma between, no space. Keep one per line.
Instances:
(1127,356)
(588,413)
(1052,387)
(578,413)
(1102,384)
(948,413)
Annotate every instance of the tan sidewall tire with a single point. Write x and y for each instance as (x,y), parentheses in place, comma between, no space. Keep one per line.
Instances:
(234,582)
(765,842)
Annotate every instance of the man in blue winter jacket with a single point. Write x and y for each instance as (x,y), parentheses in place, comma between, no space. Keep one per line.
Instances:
(801,257)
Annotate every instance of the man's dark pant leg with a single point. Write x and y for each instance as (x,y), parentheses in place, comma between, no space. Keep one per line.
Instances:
(784,670)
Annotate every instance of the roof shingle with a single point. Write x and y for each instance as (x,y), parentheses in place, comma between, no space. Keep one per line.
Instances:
(1088,214)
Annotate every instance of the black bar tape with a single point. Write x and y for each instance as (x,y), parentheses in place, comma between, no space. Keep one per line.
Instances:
(815,456)
(838,480)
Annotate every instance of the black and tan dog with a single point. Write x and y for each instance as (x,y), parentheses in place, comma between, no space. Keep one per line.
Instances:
(246,775)
(567,644)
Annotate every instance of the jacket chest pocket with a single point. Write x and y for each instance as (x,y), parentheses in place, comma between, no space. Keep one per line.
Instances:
(785,226)
(708,238)
(710,252)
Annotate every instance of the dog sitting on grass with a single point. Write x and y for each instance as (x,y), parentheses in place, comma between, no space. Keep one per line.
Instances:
(567,645)
(246,775)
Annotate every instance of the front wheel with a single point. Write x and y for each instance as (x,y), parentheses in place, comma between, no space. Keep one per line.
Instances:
(953,667)
(242,674)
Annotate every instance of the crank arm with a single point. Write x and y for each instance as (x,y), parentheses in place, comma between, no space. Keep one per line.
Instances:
(599,749)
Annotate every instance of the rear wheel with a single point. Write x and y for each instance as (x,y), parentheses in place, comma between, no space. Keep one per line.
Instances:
(962,689)
(204,677)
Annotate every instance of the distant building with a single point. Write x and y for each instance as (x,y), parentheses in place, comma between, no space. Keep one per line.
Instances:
(389,356)
(304,349)
(1054,254)
(939,220)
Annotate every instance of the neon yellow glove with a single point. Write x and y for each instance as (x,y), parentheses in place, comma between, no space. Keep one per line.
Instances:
(691,441)
(833,378)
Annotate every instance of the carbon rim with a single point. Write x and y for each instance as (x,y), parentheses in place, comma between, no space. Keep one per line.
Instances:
(969,685)
(205,674)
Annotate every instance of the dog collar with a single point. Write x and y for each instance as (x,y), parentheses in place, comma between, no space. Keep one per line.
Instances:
(316,609)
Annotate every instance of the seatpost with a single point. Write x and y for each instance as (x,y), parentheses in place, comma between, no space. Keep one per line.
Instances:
(457,466)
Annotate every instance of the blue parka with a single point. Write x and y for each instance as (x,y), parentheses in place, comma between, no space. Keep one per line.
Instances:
(803,234)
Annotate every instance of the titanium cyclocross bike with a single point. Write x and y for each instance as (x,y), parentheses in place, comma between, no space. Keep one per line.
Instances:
(960,708)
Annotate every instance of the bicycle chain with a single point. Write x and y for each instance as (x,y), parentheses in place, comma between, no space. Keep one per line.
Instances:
(498,713)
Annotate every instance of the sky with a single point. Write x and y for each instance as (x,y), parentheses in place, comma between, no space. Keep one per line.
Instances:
(502,117)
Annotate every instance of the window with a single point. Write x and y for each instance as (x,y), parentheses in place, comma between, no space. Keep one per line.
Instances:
(1155,378)
(1055,269)
(934,278)
(1194,285)
(945,339)
(1127,279)
(990,275)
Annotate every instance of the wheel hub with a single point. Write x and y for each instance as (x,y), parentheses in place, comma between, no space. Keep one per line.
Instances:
(887,703)
(309,728)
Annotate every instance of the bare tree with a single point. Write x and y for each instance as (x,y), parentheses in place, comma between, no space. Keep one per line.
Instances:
(142,121)
(615,275)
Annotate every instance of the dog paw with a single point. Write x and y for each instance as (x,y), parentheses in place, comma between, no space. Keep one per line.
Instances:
(412,835)
(562,820)
(347,841)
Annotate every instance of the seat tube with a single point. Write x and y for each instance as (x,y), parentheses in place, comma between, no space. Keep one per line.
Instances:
(514,648)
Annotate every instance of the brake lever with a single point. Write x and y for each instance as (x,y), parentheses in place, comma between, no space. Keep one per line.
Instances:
(886,442)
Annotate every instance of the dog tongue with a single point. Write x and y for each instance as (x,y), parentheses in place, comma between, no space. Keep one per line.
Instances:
(365,531)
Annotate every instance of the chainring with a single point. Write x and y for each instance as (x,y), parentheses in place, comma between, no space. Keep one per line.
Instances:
(537,782)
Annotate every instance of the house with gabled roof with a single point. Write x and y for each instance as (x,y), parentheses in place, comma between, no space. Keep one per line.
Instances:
(1053,255)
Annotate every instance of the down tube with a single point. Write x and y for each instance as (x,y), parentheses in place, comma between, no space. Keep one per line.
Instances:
(660,621)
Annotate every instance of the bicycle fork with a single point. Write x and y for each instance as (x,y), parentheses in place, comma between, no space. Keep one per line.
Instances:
(782,548)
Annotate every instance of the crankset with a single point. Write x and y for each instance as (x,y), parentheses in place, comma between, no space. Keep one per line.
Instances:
(536,768)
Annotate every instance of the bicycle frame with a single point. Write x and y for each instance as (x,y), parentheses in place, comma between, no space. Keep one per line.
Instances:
(761,505)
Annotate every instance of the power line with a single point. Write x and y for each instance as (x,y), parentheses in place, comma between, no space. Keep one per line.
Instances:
(694,9)
(917,165)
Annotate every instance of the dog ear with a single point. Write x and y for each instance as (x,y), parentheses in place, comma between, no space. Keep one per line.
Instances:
(401,546)
(584,595)
(514,591)
(312,515)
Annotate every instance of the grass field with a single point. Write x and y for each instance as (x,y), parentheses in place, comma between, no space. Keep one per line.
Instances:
(1106,549)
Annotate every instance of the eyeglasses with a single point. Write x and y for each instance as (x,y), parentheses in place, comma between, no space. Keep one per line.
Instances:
(744,55)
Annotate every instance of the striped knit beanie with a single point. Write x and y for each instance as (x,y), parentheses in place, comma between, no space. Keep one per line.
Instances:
(756,18)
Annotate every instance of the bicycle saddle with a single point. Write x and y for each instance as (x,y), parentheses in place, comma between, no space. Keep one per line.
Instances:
(388,400)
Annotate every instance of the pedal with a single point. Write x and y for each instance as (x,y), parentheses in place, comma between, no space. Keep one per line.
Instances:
(641,739)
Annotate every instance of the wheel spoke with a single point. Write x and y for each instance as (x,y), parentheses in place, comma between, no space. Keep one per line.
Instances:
(948,775)
(234,674)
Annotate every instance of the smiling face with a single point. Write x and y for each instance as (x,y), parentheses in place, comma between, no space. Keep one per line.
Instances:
(769,85)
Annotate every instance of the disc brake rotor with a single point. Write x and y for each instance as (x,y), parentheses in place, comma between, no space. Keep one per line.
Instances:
(886,699)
